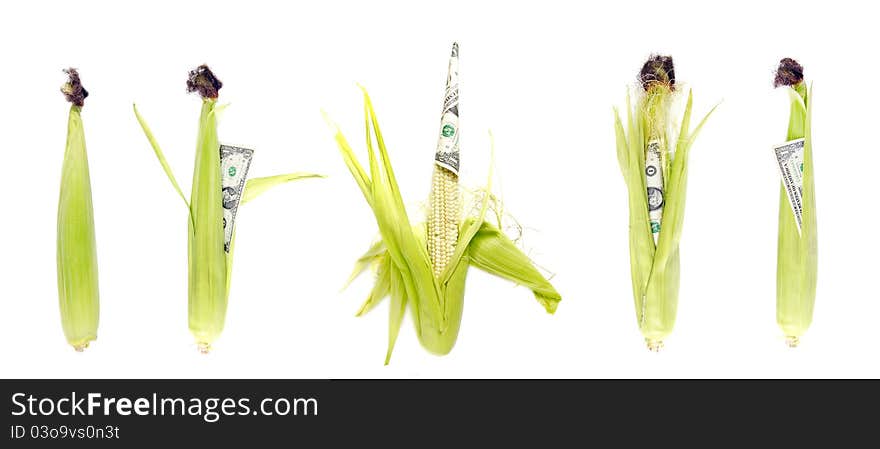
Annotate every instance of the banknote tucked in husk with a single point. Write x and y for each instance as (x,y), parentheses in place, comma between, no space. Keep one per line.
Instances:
(219,187)
(653,158)
(423,267)
(797,249)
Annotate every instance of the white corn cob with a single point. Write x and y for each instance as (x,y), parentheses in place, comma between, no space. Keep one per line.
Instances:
(445,203)
(444,218)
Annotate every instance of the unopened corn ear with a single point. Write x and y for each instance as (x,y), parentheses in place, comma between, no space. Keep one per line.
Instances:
(654,162)
(77,257)
(209,252)
(423,267)
(797,259)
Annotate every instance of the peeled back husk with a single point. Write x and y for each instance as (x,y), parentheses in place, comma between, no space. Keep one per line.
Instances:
(401,260)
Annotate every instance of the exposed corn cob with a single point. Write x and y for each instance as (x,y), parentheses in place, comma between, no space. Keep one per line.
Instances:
(797,259)
(210,265)
(77,256)
(655,263)
(424,266)
(445,201)
(443,220)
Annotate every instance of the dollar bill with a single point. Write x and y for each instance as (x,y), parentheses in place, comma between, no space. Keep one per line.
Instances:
(447,155)
(790,160)
(654,183)
(234,165)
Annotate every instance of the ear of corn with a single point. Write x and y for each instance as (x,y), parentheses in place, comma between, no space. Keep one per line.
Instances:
(444,217)
(655,266)
(76,251)
(797,259)
(423,267)
(207,260)
(210,266)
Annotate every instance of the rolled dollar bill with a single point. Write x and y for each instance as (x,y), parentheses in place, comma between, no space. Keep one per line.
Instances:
(654,184)
(790,161)
(234,165)
(447,155)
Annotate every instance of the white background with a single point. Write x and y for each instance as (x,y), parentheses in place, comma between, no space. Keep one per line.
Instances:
(542,75)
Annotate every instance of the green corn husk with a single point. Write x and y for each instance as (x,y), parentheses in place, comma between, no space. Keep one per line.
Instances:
(77,256)
(210,266)
(402,263)
(655,267)
(797,259)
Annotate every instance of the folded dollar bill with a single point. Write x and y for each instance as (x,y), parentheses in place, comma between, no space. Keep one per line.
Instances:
(234,165)
(447,155)
(790,160)
(654,183)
